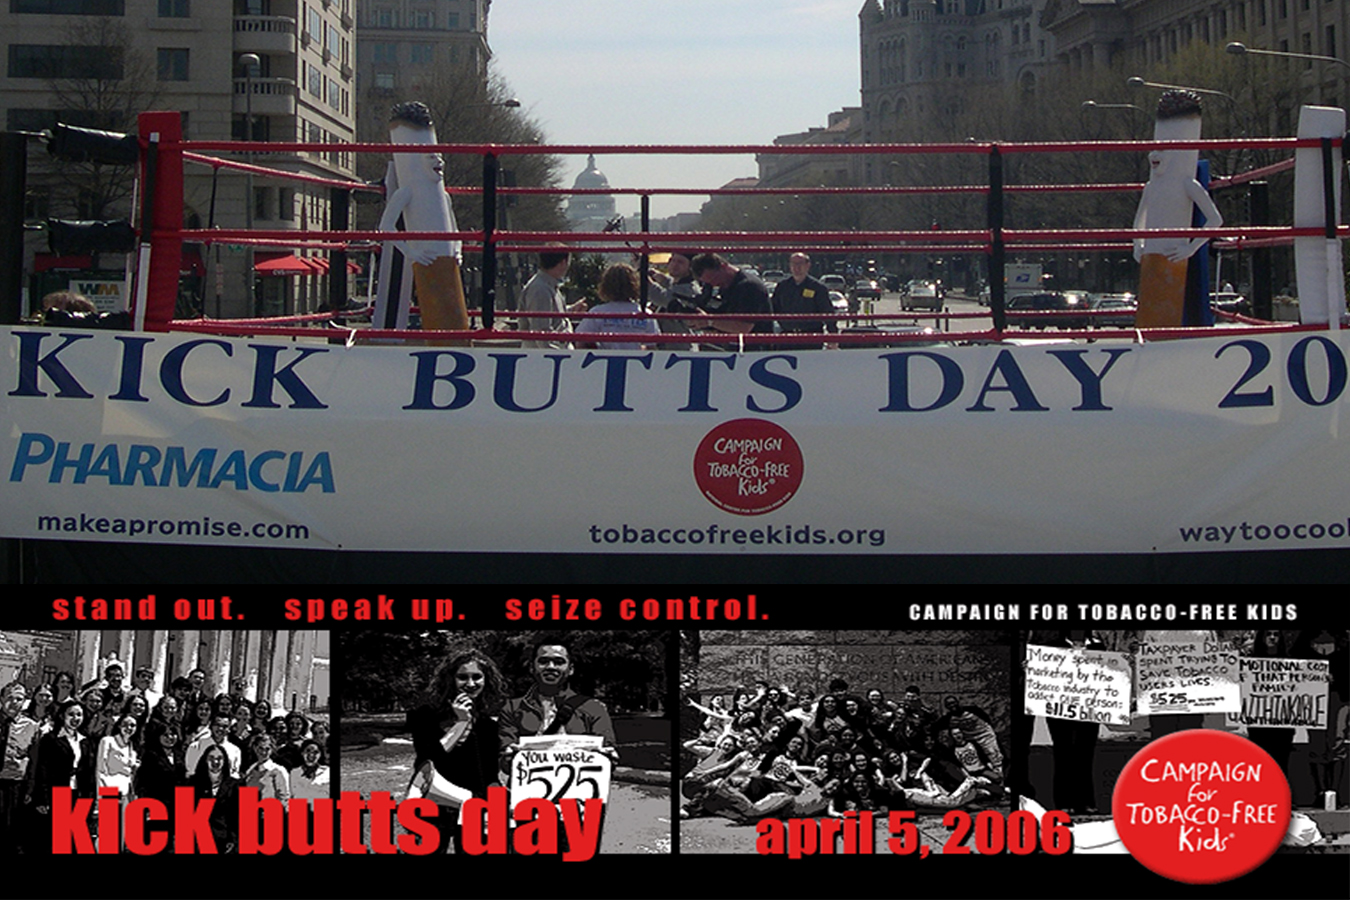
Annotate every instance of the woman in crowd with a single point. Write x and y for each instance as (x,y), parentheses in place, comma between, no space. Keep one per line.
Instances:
(198,721)
(97,720)
(161,768)
(116,763)
(455,732)
(828,719)
(311,779)
(138,709)
(167,710)
(117,757)
(262,715)
(619,295)
(213,780)
(42,707)
(271,779)
(63,688)
(60,752)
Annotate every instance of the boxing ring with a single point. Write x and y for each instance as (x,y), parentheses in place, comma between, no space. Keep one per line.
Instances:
(310,444)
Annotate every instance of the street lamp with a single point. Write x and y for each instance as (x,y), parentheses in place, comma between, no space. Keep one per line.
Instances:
(1137,82)
(251,63)
(1237,48)
(1092,105)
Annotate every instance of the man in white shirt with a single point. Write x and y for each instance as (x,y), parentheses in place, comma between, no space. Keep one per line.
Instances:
(220,729)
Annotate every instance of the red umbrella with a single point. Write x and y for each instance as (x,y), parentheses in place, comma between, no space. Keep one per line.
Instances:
(287,265)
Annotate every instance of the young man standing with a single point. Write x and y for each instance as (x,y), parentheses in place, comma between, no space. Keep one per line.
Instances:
(542,294)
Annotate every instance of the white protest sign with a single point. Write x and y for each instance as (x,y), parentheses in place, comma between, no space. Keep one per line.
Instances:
(1077,684)
(1283,693)
(1186,676)
(558,767)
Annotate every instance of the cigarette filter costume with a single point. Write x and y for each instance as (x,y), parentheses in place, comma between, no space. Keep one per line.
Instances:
(415,191)
(1167,202)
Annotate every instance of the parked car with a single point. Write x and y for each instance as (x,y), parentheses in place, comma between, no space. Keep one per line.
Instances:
(771,277)
(922,295)
(1114,310)
(1046,301)
(863,289)
(834,282)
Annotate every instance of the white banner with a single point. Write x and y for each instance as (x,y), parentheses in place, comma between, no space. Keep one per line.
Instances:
(1082,685)
(1223,443)
(1186,676)
(1283,693)
(558,767)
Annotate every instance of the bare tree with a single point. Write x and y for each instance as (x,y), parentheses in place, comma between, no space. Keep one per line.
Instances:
(111,83)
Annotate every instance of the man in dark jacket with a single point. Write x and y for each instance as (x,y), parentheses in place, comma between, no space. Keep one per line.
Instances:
(551,707)
(799,295)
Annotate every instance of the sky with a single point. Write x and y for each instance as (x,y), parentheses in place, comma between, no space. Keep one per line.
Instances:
(683,72)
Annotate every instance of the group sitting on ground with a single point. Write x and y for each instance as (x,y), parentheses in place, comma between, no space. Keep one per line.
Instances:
(772,753)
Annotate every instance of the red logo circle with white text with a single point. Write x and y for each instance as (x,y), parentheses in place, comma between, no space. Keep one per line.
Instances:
(748,466)
(1201,806)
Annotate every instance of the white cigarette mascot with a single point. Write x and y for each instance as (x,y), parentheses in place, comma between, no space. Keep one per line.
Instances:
(1167,202)
(415,191)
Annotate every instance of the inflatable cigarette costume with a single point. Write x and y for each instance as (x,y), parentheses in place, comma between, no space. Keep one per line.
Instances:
(415,192)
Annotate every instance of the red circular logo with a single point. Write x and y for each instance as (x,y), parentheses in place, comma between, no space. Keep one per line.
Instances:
(748,466)
(1201,806)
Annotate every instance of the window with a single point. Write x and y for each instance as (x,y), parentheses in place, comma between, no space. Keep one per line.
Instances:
(173,64)
(173,9)
(314,81)
(313,23)
(422,53)
(262,128)
(331,94)
(37,204)
(261,206)
(452,20)
(384,81)
(385,17)
(70,7)
(30,119)
(286,204)
(64,61)
(1330,49)
(252,7)
(331,39)
(423,18)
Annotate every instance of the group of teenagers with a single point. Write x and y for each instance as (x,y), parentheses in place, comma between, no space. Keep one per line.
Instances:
(768,752)
(146,745)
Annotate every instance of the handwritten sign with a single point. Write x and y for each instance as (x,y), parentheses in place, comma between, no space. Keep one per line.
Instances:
(1186,676)
(557,767)
(1283,693)
(1082,685)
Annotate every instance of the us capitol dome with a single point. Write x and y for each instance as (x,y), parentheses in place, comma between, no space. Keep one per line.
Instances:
(590,212)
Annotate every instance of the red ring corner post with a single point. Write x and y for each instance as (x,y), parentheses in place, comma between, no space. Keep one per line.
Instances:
(161,249)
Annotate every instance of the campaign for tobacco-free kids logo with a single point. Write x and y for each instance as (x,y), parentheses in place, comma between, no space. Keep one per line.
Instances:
(748,466)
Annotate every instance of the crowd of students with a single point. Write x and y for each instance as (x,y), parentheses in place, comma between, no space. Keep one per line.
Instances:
(147,744)
(769,752)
